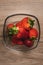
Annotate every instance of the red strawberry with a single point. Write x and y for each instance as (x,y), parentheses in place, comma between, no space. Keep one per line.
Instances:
(19,24)
(19,42)
(22,33)
(26,23)
(28,43)
(21,29)
(19,35)
(10,26)
(33,33)
(23,23)
(14,39)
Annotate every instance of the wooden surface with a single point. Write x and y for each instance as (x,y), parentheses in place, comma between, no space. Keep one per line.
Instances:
(12,57)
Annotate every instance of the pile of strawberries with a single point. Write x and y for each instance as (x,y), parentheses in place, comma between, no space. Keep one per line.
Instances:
(23,33)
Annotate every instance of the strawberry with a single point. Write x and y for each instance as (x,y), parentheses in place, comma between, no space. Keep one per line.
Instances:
(19,24)
(28,43)
(19,42)
(33,33)
(21,29)
(22,33)
(26,23)
(19,35)
(14,39)
(10,26)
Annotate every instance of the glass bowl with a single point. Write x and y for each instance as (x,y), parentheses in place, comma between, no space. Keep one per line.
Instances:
(14,19)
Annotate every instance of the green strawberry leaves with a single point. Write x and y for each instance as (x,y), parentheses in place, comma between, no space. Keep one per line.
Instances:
(31,22)
(33,39)
(13,30)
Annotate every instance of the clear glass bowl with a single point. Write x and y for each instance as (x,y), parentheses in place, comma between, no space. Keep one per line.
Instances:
(14,19)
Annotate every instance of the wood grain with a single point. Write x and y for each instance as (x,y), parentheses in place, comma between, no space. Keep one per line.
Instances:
(13,57)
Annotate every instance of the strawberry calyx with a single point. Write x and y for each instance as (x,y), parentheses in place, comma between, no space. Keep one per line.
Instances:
(31,22)
(33,38)
(13,30)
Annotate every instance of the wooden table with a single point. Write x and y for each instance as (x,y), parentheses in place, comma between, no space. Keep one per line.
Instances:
(12,57)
